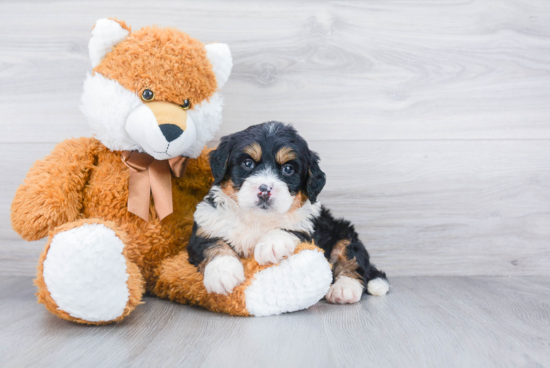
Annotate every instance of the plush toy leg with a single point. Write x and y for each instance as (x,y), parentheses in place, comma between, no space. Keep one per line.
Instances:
(84,274)
(295,283)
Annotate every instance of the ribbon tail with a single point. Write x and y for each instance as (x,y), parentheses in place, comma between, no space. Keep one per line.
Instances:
(139,195)
(178,165)
(161,186)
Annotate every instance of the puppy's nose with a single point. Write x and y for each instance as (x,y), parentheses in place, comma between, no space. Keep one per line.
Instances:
(170,131)
(264,192)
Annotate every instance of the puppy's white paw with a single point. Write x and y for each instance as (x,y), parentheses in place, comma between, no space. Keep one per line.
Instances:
(274,246)
(222,274)
(345,291)
(378,286)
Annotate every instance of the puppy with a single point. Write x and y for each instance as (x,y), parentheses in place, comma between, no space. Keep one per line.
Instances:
(264,203)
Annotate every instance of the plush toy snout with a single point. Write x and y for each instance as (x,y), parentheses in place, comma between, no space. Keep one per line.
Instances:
(163,129)
(169,115)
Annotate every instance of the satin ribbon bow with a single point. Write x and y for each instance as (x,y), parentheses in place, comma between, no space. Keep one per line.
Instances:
(147,176)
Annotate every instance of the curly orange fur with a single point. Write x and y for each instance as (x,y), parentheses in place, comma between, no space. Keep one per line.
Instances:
(165,60)
(135,281)
(193,291)
(84,182)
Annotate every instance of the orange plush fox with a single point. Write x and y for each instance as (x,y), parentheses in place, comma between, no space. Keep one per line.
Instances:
(152,102)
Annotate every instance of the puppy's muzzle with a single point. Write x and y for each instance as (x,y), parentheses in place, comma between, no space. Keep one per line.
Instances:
(264,193)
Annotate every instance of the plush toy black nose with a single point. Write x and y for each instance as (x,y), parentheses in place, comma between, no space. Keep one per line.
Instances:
(170,131)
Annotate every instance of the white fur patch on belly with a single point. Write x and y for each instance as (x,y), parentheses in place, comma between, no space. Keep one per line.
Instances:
(242,229)
(85,272)
(296,283)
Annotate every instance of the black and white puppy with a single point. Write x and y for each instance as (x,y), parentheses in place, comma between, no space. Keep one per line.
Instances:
(264,203)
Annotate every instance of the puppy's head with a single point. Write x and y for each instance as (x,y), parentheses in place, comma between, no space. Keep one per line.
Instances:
(267,167)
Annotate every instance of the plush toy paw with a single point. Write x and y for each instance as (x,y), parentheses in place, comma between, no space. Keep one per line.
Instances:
(84,275)
(275,246)
(296,283)
(222,274)
(345,291)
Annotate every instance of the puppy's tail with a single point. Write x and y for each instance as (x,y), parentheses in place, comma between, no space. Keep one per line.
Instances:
(377,282)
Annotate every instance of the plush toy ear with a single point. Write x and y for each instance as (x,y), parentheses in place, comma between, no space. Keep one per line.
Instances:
(219,159)
(106,34)
(221,60)
(315,177)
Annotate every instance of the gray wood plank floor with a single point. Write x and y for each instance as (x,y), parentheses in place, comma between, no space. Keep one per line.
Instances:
(506,232)
(423,322)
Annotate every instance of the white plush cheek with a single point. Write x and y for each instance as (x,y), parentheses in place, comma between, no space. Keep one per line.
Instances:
(185,141)
(107,105)
(143,128)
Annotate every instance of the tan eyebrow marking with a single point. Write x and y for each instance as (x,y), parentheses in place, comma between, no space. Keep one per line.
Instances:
(254,151)
(285,154)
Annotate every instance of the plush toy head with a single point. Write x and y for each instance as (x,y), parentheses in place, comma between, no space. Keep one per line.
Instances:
(155,90)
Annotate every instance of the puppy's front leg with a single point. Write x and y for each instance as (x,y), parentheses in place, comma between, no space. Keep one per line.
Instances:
(223,273)
(219,263)
(274,246)
(348,283)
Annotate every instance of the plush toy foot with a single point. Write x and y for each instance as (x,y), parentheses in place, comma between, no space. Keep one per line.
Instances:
(84,275)
(296,283)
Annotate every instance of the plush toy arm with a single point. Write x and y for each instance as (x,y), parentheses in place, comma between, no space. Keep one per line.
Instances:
(52,191)
(295,283)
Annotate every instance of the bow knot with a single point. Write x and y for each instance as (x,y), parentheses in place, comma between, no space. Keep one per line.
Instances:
(148,175)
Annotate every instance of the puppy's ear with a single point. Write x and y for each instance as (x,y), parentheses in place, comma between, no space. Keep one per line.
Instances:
(219,160)
(315,177)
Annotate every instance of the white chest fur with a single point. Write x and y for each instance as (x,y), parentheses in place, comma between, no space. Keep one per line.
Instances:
(243,228)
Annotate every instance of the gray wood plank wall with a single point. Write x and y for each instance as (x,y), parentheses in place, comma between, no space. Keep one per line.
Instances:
(432,118)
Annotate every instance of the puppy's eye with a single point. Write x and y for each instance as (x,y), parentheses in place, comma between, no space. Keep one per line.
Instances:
(288,170)
(248,164)
(147,95)
(186,104)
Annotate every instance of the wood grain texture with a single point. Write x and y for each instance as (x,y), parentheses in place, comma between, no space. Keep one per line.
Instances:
(423,322)
(432,118)
(439,69)
(422,208)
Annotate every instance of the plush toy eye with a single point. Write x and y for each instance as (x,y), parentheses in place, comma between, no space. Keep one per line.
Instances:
(288,170)
(248,164)
(186,104)
(147,95)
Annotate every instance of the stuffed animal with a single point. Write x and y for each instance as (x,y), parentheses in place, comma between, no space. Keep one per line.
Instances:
(118,208)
